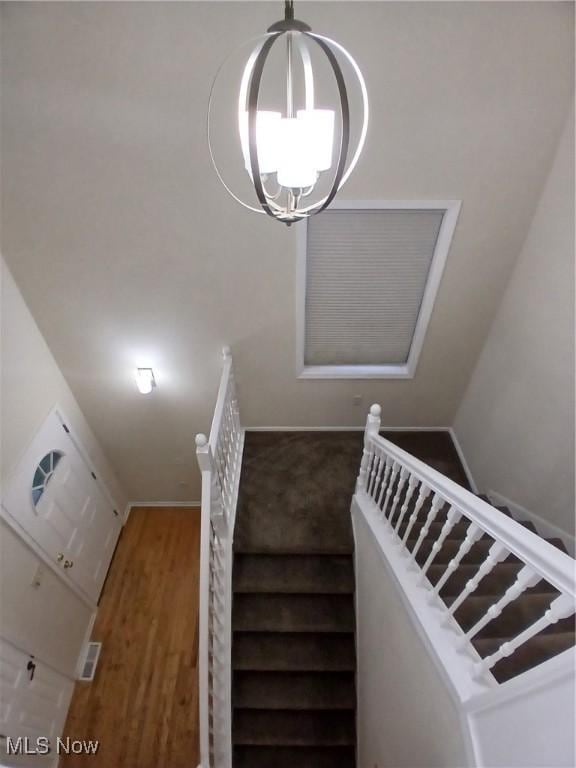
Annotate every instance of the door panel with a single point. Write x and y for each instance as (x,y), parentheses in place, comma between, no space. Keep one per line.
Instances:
(57,500)
(34,699)
(39,612)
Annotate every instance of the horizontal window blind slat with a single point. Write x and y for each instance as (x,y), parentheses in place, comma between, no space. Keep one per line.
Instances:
(366,273)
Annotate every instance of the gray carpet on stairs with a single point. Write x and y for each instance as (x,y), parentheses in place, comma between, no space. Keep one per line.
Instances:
(293,650)
(293,609)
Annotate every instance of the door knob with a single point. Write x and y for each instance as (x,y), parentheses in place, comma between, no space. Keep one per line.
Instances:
(60,557)
(31,667)
(68,563)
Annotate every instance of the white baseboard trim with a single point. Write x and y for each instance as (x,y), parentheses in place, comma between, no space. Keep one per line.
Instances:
(383,428)
(131,504)
(544,527)
(462,457)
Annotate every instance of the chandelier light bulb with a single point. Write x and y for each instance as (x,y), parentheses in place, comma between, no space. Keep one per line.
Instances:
(296,163)
(298,159)
(145,380)
(267,136)
(319,135)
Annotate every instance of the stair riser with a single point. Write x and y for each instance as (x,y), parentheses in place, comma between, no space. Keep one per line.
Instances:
(289,728)
(300,574)
(294,691)
(293,613)
(302,757)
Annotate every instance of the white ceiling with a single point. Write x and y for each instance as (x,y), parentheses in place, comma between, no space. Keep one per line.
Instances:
(129,252)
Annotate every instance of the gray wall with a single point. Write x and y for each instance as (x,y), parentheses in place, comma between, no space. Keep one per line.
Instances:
(516,420)
(128,250)
(406,717)
(31,384)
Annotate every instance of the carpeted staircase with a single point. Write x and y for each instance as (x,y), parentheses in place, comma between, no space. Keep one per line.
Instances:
(293,651)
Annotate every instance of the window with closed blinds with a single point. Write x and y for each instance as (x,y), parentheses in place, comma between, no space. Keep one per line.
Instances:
(366,274)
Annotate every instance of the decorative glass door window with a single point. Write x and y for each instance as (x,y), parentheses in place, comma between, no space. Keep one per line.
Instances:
(43,474)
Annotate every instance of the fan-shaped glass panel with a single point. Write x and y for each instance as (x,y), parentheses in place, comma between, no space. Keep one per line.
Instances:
(43,474)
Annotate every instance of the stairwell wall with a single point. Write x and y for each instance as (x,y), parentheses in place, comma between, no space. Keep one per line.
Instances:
(406,714)
(516,420)
(31,384)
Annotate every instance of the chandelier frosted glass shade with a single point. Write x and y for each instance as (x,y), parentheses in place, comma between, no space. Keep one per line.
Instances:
(295,148)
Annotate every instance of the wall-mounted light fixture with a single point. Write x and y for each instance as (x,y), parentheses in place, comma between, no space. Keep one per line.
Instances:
(145,380)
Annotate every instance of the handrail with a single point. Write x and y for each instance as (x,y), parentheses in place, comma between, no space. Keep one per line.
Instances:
(552,564)
(219,458)
(221,397)
(406,496)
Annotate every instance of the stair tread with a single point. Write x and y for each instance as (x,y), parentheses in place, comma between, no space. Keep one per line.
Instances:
(294,757)
(515,617)
(458,532)
(538,649)
(495,583)
(321,574)
(294,690)
(289,727)
(293,613)
(477,553)
(286,652)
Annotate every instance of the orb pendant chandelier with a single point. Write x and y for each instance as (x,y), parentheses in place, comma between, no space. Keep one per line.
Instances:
(297,156)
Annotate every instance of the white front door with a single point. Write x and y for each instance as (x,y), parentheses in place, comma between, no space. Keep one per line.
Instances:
(34,701)
(55,497)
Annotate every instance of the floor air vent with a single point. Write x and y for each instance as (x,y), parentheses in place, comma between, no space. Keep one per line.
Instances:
(88,669)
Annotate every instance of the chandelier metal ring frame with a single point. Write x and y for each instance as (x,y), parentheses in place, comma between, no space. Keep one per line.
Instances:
(295,32)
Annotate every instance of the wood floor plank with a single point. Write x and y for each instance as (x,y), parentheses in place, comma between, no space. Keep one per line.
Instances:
(143,704)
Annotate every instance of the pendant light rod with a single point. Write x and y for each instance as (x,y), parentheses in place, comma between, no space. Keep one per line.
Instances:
(289,10)
(289,87)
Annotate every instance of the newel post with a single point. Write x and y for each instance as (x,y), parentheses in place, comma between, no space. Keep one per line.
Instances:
(372,428)
(203,453)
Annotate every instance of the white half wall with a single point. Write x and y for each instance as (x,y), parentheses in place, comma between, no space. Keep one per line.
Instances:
(31,384)
(516,420)
(406,716)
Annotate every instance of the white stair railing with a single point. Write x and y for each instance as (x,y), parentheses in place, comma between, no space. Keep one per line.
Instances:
(394,487)
(219,459)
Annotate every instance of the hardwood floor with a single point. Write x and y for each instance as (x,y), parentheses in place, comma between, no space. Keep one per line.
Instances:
(143,704)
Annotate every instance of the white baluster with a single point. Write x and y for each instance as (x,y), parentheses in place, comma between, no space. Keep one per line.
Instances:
(412,483)
(377,482)
(472,535)
(375,466)
(385,479)
(362,474)
(437,503)
(397,496)
(452,518)
(496,554)
(389,489)
(423,494)
(526,578)
(560,608)
(372,428)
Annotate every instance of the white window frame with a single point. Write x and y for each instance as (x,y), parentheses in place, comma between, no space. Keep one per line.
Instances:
(407,370)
